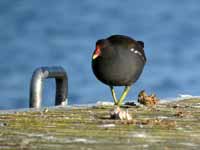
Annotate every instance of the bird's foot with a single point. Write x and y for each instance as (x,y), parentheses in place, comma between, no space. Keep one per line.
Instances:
(119,114)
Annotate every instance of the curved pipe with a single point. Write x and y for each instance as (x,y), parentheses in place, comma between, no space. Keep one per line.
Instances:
(37,81)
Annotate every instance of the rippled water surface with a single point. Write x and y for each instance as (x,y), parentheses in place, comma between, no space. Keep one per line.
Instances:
(48,33)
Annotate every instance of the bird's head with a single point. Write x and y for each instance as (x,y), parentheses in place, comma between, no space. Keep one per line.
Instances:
(102,47)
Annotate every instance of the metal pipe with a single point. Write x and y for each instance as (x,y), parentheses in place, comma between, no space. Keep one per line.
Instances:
(37,81)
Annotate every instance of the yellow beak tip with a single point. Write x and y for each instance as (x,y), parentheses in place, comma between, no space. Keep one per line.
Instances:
(94,56)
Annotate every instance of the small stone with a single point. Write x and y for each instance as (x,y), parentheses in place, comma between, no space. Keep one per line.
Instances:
(45,110)
(130,104)
(3,124)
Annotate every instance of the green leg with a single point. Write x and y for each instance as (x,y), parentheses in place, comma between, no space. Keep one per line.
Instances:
(113,94)
(124,94)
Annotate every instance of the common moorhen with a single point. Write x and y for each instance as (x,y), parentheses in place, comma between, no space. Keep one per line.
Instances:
(118,61)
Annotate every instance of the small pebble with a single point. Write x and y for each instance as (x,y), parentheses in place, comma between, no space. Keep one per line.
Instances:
(3,124)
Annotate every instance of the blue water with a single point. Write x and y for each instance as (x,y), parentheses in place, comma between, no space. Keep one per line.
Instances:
(37,33)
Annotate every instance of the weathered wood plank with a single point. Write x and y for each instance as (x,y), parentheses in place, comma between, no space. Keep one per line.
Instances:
(167,126)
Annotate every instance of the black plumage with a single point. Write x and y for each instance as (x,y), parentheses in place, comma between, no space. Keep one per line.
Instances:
(118,60)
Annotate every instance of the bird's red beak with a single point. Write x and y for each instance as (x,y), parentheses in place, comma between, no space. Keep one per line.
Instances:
(97,52)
